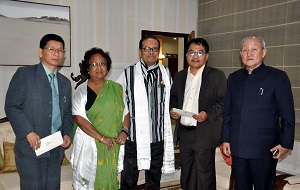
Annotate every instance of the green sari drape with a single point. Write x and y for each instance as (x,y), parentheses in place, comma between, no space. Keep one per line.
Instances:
(106,115)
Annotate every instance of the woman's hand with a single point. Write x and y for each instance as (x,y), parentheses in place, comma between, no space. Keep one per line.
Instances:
(121,139)
(109,142)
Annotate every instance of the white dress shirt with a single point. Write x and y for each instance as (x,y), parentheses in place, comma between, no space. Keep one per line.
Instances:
(191,96)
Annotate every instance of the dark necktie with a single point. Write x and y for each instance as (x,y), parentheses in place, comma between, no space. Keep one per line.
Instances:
(56,119)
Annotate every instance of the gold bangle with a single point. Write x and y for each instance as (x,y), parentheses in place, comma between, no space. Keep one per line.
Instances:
(101,140)
(126,128)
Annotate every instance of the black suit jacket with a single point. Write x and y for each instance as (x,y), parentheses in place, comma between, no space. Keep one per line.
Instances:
(259,112)
(211,100)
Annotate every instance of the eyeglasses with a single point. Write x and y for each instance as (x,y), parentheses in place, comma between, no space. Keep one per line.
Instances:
(95,65)
(199,53)
(53,50)
(148,49)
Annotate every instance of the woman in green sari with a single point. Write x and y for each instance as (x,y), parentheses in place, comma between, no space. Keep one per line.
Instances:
(99,131)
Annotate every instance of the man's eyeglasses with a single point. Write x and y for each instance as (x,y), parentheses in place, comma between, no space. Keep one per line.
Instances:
(199,53)
(148,49)
(95,65)
(53,50)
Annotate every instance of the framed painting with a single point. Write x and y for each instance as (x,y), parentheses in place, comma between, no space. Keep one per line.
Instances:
(23,24)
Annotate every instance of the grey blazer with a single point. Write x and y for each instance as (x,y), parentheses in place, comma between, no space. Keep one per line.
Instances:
(211,100)
(28,107)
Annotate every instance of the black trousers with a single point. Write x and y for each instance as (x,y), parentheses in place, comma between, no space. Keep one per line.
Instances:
(260,173)
(130,174)
(197,163)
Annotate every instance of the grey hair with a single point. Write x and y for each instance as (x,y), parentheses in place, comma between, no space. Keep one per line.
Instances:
(262,41)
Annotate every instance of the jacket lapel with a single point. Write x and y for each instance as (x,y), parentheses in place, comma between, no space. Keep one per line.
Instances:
(182,85)
(204,86)
(41,75)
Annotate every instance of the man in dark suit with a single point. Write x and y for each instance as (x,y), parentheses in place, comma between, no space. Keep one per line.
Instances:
(259,118)
(28,106)
(199,89)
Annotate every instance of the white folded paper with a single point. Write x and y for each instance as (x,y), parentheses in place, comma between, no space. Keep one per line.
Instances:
(183,113)
(48,143)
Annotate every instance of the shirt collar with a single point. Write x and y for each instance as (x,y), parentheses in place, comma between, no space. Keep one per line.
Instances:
(47,70)
(257,69)
(198,72)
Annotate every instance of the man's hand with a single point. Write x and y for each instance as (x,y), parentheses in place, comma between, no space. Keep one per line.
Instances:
(174,115)
(34,140)
(66,142)
(202,116)
(226,149)
(281,153)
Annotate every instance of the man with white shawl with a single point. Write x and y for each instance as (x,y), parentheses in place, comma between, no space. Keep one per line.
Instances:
(146,87)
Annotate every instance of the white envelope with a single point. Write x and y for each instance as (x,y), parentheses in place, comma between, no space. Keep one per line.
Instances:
(183,113)
(48,143)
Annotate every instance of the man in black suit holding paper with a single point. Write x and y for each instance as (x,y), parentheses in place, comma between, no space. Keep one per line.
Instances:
(199,89)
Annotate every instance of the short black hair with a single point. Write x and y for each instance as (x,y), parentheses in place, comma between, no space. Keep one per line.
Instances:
(148,37)
(198,41)
(48,37)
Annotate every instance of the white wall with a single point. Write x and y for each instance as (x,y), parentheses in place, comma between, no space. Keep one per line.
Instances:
(115,26)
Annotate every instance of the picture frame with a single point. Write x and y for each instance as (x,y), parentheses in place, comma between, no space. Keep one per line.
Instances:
(23,24)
